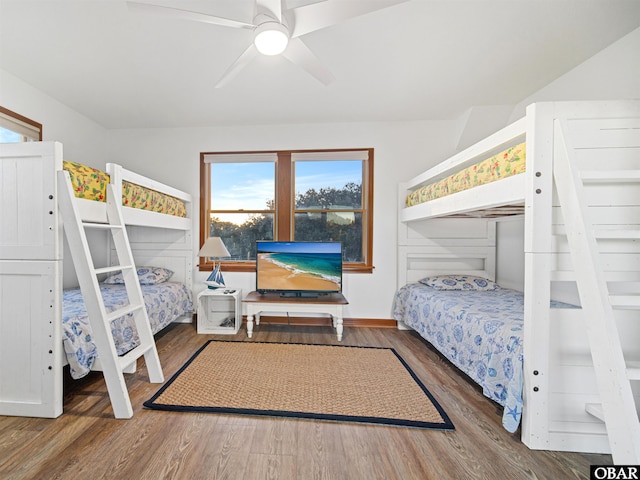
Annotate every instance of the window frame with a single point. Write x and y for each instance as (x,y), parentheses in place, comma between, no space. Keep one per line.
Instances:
(285,205)
(20,123)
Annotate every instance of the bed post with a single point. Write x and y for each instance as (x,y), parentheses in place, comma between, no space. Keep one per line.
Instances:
(537,282)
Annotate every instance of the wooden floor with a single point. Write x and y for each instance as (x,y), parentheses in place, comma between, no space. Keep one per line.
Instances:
(86,442)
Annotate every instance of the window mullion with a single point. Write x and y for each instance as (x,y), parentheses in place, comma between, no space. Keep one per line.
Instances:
(284,197)
(205,200)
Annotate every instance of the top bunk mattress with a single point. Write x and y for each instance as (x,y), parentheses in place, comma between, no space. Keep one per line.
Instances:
(507,163)
(91,184)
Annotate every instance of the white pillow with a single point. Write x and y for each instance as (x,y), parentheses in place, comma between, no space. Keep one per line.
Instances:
(460,282)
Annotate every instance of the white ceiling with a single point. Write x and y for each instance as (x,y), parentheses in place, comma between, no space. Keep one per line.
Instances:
(419,60)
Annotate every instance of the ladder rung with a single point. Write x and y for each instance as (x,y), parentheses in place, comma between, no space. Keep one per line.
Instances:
(631,302)
(102,226)
(595,409)
(633,370)
(114,268)
(617,234)
(610,276)
(132,355)
(596,176)
(121,312)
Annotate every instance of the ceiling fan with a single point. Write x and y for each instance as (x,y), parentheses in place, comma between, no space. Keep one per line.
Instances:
(277,29)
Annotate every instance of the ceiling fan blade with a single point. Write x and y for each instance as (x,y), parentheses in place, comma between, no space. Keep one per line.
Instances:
(310,18)
(273,8)
(238,65)
(186,15)
(298,53)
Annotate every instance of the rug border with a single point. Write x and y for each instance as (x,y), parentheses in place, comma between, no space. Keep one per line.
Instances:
(446,424)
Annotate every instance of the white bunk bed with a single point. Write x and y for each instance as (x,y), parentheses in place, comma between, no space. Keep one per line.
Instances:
(579,201)
(31,271)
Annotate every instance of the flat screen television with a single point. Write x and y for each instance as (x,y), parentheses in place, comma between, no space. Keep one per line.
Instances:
(298,268)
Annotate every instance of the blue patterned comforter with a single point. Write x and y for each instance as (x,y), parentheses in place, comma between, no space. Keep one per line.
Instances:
(165,302)
(478,331)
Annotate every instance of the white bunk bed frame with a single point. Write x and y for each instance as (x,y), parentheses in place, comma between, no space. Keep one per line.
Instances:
(31,269)
(583,165)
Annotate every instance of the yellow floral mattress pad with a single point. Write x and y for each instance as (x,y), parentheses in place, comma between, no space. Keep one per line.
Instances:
(91,184)
(511,161)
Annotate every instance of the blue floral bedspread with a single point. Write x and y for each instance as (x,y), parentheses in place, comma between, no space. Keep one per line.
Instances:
(165,302)
(478,331)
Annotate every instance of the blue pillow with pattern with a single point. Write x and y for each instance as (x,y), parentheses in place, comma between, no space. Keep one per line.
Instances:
(146,275)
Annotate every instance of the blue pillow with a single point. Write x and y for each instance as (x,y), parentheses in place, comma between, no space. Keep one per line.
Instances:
(460,282)
(146,275)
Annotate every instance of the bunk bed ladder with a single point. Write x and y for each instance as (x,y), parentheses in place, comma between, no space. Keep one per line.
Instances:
(113,365)
(613,373)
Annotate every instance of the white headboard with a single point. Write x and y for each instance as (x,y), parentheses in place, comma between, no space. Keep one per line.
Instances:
(446,246)
(415,263)
(160,247)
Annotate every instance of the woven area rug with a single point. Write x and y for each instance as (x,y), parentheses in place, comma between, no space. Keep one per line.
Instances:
(326,382)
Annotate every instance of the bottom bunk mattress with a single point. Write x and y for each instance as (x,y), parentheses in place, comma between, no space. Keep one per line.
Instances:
(165,303)
(480,332)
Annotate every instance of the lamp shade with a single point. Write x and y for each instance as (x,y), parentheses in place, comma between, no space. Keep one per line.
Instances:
(214,248)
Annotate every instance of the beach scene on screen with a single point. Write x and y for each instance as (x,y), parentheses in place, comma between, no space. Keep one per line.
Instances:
(299,266)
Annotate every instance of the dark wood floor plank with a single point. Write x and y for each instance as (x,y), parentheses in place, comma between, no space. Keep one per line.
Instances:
(320,452)
(270,467)
(274,436)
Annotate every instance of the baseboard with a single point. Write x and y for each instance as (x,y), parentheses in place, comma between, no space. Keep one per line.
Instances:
(370,322)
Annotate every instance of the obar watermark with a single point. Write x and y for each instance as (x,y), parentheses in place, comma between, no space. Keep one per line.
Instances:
(615,472)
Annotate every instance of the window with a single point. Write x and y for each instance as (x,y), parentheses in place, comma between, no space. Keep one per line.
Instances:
(16,128)
(288,195)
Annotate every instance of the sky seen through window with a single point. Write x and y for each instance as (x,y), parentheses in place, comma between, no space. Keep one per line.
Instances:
(250,186)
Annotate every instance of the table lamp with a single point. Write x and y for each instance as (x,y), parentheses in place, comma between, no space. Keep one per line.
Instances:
(214,248)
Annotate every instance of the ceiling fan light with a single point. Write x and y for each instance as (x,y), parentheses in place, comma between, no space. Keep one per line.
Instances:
(271,38)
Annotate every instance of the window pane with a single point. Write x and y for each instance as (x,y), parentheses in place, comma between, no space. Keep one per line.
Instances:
(243,186)
(239,232)
(16,128)
(345,227)
(328,184)
(9,136)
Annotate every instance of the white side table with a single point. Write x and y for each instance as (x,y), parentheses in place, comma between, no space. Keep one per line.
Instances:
(219,310)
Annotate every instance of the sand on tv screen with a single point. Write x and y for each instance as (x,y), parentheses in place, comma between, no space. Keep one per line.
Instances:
(298,267)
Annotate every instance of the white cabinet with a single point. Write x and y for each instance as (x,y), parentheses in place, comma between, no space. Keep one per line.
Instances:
(219,311)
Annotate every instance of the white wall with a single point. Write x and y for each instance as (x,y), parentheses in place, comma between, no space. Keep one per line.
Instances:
(400,150)
(83,141)
(510,253)
(612,74)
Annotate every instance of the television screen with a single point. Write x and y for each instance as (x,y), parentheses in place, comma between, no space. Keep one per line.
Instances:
(298,268)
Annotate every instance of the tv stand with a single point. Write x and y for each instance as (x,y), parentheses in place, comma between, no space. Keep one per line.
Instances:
(331,304)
